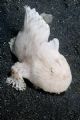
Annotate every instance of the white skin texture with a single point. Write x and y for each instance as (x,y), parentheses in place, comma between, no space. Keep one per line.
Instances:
(39,60)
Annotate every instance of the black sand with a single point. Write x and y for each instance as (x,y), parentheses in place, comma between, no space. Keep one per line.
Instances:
(35,104)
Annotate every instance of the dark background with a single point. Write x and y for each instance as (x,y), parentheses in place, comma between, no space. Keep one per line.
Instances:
(35,104)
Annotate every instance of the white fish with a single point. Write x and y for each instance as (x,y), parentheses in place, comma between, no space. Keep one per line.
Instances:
(39,60)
